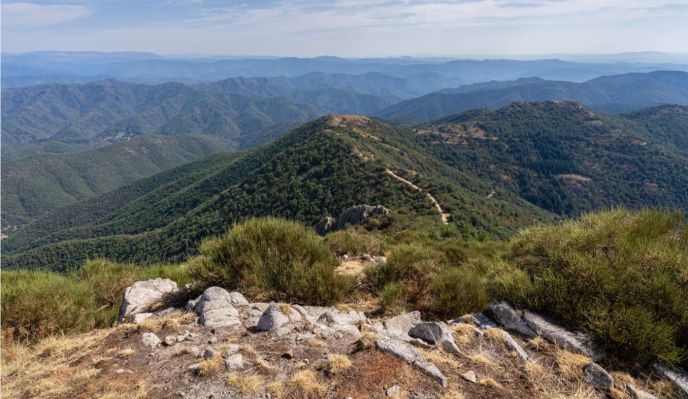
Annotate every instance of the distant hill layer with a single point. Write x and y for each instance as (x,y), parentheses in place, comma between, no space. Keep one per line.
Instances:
(615,94)
(32,186)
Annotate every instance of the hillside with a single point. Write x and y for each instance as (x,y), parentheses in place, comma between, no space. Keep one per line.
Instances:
(317,170)
(616,94)
(566,158)
(35,185)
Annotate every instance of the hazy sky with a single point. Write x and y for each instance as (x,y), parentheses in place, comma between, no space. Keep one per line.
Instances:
(348,27)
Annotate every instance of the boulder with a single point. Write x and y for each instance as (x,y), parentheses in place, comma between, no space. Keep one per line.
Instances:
(144,296)
(237,298)
(139,317)
(272,319)
(578,343)
(510,319)
(677,377)
(325,225)
(637,393)
(470,376)
(511,343)
(597,376)
(399,326)
(411,356)
(215,309)
(234,362)
(150,340)
(435,333)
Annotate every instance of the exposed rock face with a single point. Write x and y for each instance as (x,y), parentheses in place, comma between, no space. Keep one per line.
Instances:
(563,338)
(399,326)
(598,377)
(678,377)
(435,333)
(144,296)
(510,319)
(353,215)
(637,393)
(272,319)
(411,356)
(215,308)
(514,346)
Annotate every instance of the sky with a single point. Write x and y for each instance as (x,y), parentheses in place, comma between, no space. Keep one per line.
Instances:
(349,28)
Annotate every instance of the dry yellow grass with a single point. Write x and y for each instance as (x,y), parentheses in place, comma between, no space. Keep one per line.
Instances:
(495,334)
(304,384)
(276,389)
(212,366)
(338,363)
(580,391)
(314,342)
(491,382)
(452,394)
(125,353)
(570,364)
(536,343)
(439,357)
(245,384)
(481,359)
(257,359)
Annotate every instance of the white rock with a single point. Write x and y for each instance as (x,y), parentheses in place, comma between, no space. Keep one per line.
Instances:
(578,343)
(150,340)
(139,317)
(272,319)
(470,376)
(142,296)
(510,319)
(411,356)
(234,362)
(637,393)
(399,326)
(435,333)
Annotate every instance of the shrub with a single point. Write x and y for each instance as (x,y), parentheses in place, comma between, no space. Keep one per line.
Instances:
(620,275)
(36,304)
(392,298)
(458,291)
(271,259)
(353,242)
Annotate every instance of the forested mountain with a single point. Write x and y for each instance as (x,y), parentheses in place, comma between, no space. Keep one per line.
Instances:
(34,185)
(319,169)
(492,171)
(615,94)
(568,159)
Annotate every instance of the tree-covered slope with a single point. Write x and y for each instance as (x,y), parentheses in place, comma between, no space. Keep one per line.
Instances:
(35,185)
(568,159)
(618,93)
(319,169)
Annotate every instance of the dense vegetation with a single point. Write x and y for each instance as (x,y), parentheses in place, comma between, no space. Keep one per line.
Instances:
(567,159)
(614,94)
(34,185)
(271,259)
(319,169)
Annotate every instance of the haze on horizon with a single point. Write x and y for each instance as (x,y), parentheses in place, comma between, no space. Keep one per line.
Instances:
(348,28)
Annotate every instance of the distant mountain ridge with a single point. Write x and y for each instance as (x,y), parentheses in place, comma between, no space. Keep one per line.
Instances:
(616,94)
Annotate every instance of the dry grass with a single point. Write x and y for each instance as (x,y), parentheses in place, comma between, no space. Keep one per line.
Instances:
(580,391)
(125,353)
(495,334)
(151,324)
(276,389)
(481,359)
(536,343)
(570,364)
(182,350)
(366,341)
(245,384)
(452,394)
(257,359)
(534,371)
(465,333)
(314,342)
(212,366)
(440,357)
(491,382)
(337,363)
(304,384)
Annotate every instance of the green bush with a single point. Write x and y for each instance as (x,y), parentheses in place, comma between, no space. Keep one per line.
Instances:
(36,304)
(393,299)
(458,291)
(353,242)
(271,259)
(620,275)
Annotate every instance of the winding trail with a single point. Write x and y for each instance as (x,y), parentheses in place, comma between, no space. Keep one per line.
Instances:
(443,215)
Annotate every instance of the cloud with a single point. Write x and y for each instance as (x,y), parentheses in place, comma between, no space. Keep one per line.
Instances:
(33,15)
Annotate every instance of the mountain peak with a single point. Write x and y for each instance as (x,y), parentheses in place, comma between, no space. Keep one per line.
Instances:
(337,120)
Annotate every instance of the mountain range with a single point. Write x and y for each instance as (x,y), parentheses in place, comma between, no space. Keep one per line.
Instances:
(615,94)
(491,171)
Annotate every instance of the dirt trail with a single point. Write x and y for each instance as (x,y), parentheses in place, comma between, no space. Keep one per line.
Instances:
(443,215)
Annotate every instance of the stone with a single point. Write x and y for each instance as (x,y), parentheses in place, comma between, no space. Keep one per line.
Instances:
(272,319)
(191,305)
(399,326)
(435,333)
(511,343)
(230,350)
(144,296)
(565,339)
(234,362)
(677,377)
(394,391)
(637,393)
(237,298)
(170,340)
(470,376)
(597,376)
(358,213)
(510,319)
(334,317)
(194,368)
(150,340)
(411,356)
(209,353)
(325,225)
(214,308)
(140,317)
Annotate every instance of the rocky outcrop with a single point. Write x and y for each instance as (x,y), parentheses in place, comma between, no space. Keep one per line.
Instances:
(677,377)
(411,356)
(435,333)
(353,215)
(597,376)
(574,342)
(510,319)
(145,296)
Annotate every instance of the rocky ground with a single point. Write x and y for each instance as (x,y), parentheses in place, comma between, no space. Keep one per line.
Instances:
(221,346)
